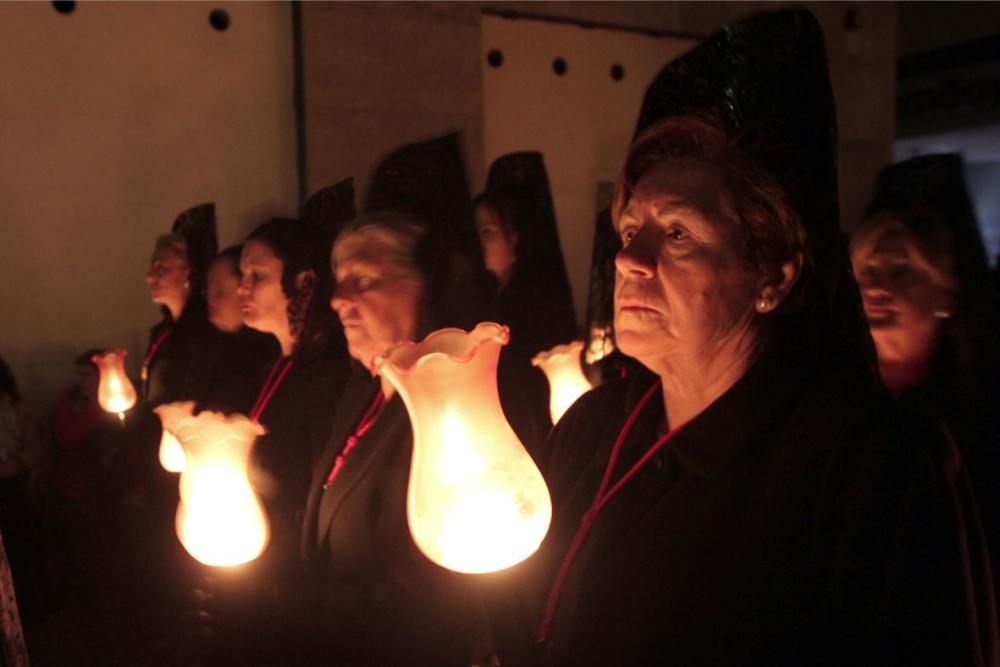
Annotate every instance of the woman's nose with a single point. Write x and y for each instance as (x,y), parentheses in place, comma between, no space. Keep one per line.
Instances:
(339,299)
(242,290)
(874,286)
(872,280)
(638,258)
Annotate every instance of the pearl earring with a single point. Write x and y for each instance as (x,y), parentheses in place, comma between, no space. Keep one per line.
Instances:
(763,305)
(942,314)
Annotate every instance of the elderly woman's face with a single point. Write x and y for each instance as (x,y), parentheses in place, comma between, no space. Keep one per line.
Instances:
(681,286)
(263,303)
(221,285)
(167,276)
(899,296)
(376,298)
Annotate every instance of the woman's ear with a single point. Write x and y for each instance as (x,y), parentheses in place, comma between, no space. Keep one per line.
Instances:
(944,303)
(773,292)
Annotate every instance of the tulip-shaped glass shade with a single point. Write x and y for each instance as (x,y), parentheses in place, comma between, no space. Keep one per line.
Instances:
(476,502)
(567,382)
(171,452)
(115,392)
(220,518)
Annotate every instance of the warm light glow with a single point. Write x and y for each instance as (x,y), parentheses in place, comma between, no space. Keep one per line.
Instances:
(601,343)
(567,382)
(220,518)
(115,392)
(171,452)
(476,502)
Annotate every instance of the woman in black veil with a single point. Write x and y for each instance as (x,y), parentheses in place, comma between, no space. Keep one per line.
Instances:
(921,265)
(144,552)
(176,280)
(517,229)
(408,265)
(755,496)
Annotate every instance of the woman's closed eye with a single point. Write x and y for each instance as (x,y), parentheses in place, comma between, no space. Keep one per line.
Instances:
(356,284)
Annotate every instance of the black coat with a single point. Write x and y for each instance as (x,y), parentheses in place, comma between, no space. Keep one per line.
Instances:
(802,518)
(266,600)
(381,601)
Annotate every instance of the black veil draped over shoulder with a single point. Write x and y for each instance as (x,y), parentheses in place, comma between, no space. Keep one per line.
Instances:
(330,207)
(427,180)
(521,181)
(537,302)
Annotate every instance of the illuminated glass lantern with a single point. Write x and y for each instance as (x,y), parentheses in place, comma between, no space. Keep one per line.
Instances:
(171,452)
(476,502)
(115,392)
(220,518)
(567,382)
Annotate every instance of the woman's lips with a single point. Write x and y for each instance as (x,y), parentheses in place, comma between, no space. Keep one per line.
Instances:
(879,314)
(634,305)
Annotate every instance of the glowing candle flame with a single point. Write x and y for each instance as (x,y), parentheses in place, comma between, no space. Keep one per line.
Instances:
(476,502)
(567,382)
(171,452)
(115,392)
(220,518)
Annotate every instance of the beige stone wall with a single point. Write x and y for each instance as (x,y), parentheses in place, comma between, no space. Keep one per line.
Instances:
(862,68)
(381,74)
(378,75)
(112,120)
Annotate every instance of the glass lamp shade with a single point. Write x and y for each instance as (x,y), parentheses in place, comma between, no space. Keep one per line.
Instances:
(567,382)
(476,502)
(115,392)
(220,518)
(171,451)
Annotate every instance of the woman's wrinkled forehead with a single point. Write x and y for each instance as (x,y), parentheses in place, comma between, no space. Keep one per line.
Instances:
(694,184)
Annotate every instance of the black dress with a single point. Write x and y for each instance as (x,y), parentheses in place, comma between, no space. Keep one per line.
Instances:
(232,370)
(380,601)
(802,518)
